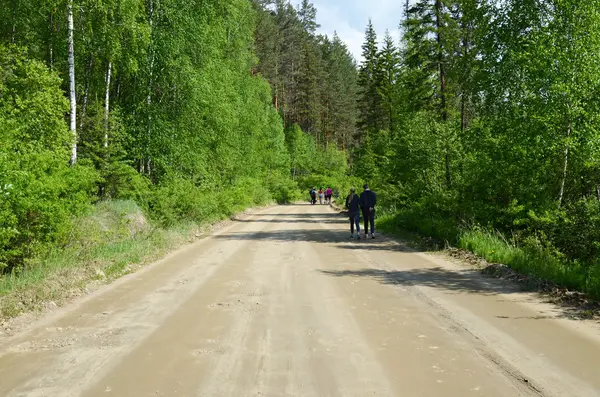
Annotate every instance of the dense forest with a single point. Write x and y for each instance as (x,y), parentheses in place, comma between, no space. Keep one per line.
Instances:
(153,101)
(477,128)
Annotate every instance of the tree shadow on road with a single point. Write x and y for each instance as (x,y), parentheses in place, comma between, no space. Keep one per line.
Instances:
(293,220)
(468,281)
(340,238)
(334,235)
(316,218)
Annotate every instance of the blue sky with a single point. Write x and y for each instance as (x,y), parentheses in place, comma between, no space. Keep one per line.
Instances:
(350,17)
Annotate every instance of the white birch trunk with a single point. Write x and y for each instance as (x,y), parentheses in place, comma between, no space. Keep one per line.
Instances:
(86,94)
(107,103)
(146,163)
(72,82)
(151,71)
(51,41)
(565,168)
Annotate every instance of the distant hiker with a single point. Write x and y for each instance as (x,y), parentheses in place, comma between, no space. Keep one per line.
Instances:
(321,195)
(328,194)
(313,196)
(353,206)
(368,200)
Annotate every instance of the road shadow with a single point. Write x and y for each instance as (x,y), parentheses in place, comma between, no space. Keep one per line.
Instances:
(341,238)
(468,281)
(338,235)
(315,215)
(328,218)
(340,221)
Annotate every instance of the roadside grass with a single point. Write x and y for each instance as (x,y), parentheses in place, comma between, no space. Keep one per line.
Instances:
(114,240)
(530,257)
(534,260)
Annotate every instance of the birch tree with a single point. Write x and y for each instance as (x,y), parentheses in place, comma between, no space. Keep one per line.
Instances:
(72,95)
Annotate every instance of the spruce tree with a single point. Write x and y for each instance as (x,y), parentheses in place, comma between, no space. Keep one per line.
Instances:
(388,76)
(370,119)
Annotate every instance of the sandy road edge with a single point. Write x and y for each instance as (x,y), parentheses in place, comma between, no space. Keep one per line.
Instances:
(20,326)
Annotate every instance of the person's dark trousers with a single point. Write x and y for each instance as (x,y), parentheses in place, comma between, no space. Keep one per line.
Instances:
(354,220)
(369,217)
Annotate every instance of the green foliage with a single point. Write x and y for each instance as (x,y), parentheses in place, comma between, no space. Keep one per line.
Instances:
(372,114)
(180,200)
(493,109)
(574,230)
(39,191)
(313,77)
(430,217)
(532,258)
(184,128)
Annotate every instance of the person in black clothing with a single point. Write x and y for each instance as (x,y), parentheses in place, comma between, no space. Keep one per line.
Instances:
(368,200)
(353,206)
(313,196)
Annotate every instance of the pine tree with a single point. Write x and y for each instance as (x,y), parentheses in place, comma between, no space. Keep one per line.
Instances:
(431,39)
(389,68)
(307,13)
(370,119)
(338,87)
(307,99)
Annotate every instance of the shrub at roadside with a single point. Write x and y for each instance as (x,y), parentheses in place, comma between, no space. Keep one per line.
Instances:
(111,240)
(39,192)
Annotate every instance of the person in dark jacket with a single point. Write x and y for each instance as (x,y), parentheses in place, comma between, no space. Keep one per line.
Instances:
(368,200)
(313,196)
(353,206)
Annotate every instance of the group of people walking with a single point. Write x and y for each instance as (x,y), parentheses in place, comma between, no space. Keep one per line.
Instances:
(324,196)
(364,203)
(356,205)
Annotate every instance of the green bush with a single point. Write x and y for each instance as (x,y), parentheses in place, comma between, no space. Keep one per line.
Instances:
(181,199)
(39,192)
(283,189)
(433,216)
(576,232)
(122,182)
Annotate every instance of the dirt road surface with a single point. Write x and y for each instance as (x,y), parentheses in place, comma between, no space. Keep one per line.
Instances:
(283,303)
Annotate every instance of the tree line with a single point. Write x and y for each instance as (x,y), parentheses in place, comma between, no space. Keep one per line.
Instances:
(313,77)
(155,101)
(485,115)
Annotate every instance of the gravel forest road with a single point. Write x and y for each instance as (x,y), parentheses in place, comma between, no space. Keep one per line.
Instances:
(284,303)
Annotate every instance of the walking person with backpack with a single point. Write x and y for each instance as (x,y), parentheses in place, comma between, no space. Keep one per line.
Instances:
(313,196)
(353,206)
(368,200)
